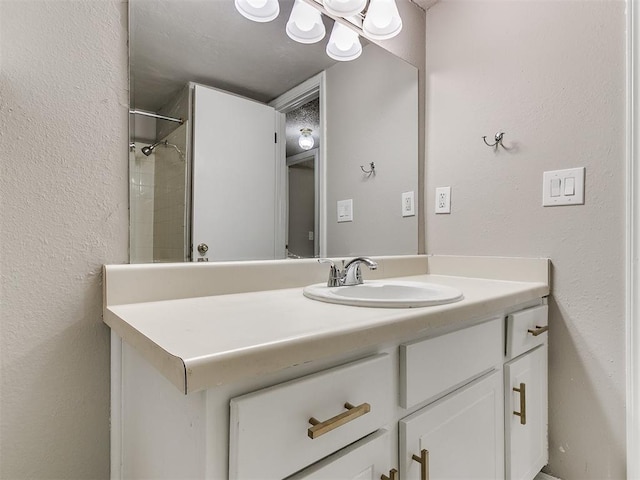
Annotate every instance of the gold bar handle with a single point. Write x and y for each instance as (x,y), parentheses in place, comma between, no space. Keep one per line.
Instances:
(393,475)
(423,460)
(538,331)
(523,404)
(320,428)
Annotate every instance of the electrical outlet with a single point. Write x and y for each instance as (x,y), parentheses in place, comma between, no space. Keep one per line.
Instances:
(408,208)
(443,200)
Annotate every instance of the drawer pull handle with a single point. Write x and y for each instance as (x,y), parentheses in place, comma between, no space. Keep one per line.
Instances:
(393,475)
(523,404)
(320,428)
(423,460)
(539,330)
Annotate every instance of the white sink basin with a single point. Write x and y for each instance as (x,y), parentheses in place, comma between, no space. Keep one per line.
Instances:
(385,293)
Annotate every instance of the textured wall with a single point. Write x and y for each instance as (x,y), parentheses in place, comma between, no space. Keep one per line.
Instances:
(63,187)
(552,76)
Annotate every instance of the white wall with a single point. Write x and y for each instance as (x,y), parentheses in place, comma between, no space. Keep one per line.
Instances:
(552,76)
(144,128)
(382,109)
(63,187)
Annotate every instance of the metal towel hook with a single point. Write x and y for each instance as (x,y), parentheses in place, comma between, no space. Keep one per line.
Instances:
(372,170)
(498,139)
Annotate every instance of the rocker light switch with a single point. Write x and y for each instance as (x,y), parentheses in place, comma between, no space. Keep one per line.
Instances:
(569,186)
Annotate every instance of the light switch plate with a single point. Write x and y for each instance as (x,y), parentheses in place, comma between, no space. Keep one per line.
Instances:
(408,204)
(563,187)
(345,210)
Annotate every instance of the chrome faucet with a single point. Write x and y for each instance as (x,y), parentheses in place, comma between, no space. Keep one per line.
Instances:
(350,273)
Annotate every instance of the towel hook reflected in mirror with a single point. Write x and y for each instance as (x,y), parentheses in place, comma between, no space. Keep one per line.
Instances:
(498,140)
(371,171)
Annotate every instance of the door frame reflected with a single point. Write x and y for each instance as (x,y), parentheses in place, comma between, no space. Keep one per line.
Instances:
(313,88)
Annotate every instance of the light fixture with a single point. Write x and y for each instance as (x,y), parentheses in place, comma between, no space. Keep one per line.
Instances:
(382,20)
(306,139)
(344,43)
(258,10)
(377,20)
(305,23)
(344,8)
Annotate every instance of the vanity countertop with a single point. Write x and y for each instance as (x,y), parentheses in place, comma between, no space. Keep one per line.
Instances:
(205,341)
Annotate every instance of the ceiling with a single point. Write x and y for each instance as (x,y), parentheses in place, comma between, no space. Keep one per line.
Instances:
(425,4)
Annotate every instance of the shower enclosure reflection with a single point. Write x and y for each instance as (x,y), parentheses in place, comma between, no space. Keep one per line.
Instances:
(158,199)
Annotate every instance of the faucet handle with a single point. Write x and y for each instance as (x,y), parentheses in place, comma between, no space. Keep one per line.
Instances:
(334,272)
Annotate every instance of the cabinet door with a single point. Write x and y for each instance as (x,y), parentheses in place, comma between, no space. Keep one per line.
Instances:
(526,438)
(366,459)
(461,435)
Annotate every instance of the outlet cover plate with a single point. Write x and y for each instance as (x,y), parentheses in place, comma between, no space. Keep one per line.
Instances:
(443,200)
(408,204)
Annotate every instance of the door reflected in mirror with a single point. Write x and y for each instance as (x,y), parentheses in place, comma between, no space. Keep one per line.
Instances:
(220,164)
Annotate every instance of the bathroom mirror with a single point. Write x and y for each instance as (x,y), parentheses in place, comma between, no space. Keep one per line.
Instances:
(366,115)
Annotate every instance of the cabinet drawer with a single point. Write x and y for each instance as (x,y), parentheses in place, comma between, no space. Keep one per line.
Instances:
(270,434)
(367,459)
(521,327)
(431,367)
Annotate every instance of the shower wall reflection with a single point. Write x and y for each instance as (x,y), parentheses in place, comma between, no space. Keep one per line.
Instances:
(169,204)
(158,201)
(141,191)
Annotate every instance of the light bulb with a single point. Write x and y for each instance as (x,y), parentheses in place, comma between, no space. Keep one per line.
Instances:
(343,41)
(306,139)
(305,23)
(382,16)
(344,8)
(344,44)
(258,10)
(382,20)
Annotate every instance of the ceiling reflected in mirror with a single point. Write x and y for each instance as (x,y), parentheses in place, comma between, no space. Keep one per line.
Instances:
(209,42)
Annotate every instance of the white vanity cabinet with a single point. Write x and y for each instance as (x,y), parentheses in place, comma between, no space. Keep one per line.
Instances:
(525,389)
(436,407)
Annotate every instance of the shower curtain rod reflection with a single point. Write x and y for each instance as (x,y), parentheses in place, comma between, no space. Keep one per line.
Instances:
(155,115)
